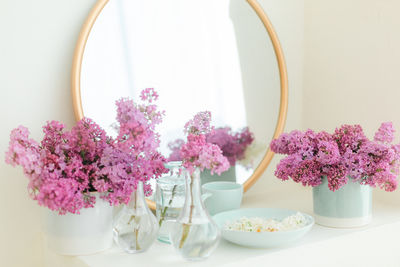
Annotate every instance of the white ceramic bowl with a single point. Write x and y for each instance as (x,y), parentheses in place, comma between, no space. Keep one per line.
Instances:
(262,239)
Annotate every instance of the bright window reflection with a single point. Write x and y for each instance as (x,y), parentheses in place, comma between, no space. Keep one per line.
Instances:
(199,55)
(188,54)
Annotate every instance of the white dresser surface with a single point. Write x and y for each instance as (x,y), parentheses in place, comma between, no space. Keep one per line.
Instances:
(373,245)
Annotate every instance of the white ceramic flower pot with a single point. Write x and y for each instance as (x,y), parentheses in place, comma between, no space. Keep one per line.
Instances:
(80,234)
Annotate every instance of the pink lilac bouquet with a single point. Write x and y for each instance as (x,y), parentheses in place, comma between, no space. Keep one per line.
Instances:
(233,144)
(197,152)
(134,156)
(345,155)
(67,166)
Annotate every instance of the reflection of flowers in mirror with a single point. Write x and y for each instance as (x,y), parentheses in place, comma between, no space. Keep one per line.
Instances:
(234,145)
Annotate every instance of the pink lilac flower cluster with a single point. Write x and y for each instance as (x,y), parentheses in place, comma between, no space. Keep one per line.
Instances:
(197,152)
(60,169)
(233,144)
(345,155)
(67,166)
(134,155)
(200,124)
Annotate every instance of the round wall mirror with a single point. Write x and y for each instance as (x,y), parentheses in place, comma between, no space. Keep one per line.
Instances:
(221,56)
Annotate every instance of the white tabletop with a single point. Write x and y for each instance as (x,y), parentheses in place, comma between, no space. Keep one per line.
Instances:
(372,245)
(321,240)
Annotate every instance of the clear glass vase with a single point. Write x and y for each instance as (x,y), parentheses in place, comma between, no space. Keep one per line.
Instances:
(194,234)
(135,227)
(170,198)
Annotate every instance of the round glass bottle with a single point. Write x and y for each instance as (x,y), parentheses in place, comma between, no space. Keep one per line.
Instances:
(194,234)
(135,227)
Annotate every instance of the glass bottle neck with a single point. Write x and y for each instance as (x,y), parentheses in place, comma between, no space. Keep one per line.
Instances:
(193,192)
(137,197)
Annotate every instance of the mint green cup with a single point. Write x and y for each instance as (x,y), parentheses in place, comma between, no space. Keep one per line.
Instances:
(222,196)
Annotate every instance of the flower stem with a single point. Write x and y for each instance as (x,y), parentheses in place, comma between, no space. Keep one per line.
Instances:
(136,219)
(186,226)
(164,211)
(136,238)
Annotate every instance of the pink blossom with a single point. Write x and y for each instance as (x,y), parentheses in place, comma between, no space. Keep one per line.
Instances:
(328,153)
(175,147)
(307,172)
(200,124)
(349,137)
(149,94)
(25,152)
(287,166)
(385,133)
(197,152)
(336,174)
(346,154)
(386,180)
(296,142)
(69,165)
(233,144)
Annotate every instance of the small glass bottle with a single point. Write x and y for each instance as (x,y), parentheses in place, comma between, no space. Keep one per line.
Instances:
(170,197)
(194,234)
(135,227)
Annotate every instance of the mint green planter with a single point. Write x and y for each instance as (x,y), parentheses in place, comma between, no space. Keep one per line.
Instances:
(350,206)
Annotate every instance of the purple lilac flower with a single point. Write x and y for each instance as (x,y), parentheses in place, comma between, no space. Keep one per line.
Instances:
(336,174)
(286,167)
(197,152)
(385,133)
(328,153)
(346,154)
(68,165)
(175,147)
(24,151)
(200,124)
(296,142)
(149,94)
(307,172)
(349,137)
(233,144)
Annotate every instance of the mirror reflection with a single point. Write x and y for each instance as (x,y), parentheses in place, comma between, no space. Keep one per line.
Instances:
(198,55)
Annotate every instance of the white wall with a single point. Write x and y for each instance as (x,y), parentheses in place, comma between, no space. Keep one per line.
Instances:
(352,65)
(36,48)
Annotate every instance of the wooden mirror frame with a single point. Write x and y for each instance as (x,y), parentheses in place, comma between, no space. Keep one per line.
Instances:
(77,68)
